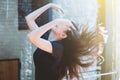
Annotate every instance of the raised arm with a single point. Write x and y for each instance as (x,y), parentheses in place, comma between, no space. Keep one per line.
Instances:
(30,19)
(36,32)
(35,35)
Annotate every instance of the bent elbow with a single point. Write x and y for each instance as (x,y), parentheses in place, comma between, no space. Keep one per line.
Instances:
(29,37)
(27,18)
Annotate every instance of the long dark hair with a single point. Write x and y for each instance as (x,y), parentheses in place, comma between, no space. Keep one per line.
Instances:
(77,45)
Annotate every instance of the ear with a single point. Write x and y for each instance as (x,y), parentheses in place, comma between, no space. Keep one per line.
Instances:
(63,35)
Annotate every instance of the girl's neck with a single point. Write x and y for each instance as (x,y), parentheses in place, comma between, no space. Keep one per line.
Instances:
(52,37)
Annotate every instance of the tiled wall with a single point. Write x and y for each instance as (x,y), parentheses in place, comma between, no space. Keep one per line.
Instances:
(9,35)
(13,43)
(11,39)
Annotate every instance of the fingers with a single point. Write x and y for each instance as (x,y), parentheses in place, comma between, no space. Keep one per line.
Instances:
(57,7)
(61,10)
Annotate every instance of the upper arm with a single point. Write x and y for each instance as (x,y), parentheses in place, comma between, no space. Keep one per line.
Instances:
(31,23)
(41,43)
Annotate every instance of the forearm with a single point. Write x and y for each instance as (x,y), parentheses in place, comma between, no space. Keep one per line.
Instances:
(37,33)
(38,12)
(30,18)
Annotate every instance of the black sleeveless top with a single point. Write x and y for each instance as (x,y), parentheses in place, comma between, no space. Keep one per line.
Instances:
(46,64)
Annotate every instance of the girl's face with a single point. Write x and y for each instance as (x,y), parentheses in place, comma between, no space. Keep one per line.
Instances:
(60,31)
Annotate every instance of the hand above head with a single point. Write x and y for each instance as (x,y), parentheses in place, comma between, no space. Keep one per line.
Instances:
(64,22)
(56,7)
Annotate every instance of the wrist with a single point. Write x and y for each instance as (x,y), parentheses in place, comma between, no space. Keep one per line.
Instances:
(49,5)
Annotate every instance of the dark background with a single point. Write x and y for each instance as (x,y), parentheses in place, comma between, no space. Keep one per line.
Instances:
(27,6)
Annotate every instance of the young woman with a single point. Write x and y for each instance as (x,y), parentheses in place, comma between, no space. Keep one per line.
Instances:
(60,46)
